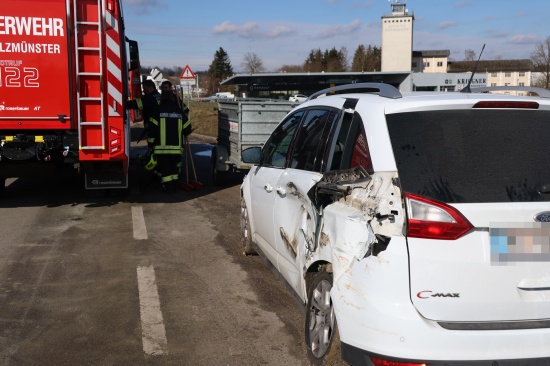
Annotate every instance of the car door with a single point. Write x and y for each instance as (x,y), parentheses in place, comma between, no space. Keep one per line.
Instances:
(296,218)
(263,181)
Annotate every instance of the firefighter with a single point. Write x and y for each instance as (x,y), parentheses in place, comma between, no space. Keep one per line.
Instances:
(166,135)
(167,85)
(148,103)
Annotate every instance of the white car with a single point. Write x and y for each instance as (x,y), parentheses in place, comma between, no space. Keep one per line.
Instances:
(300,98)
(414,227)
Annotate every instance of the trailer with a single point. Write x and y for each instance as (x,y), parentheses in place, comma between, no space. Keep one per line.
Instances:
(244,123)
(66,72)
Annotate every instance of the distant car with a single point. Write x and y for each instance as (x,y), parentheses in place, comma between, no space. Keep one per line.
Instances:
(413,227)
(297,98)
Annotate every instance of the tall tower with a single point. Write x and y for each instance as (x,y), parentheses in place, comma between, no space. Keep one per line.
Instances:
(397,38)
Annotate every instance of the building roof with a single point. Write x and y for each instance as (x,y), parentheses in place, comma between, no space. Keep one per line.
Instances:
(491,65)
(432,53)
(317,78)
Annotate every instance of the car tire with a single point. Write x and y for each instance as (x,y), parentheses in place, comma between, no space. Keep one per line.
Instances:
(246,233)
(321,331)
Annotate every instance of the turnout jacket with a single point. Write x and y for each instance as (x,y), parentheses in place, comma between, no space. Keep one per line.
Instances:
(166,130)
(148,103)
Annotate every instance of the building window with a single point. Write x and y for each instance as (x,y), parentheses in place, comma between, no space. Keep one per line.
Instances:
(493,74)
(440,63)
(493,84)
(426,64)
(520,93)
(506,84)
(521,83)
(414,64)
(522,73)
(507,74)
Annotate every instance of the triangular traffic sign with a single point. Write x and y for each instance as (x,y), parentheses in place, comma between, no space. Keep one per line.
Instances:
(187,73)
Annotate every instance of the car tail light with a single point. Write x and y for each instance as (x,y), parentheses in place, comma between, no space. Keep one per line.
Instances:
(430,219)
(380,362)
(500,104)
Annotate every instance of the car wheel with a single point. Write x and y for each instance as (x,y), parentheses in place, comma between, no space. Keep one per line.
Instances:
(246,233)
(322,339)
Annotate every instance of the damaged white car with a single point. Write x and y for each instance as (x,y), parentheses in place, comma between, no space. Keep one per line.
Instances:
(414,228)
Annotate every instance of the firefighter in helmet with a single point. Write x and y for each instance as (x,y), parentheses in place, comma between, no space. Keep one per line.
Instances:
(166,135)
(148,103)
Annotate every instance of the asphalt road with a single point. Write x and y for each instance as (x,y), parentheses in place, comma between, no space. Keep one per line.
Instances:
(145,278)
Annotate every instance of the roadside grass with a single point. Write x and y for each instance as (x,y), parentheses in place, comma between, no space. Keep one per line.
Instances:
(204,118)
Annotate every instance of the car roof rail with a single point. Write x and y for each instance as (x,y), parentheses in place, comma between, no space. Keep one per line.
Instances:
(383,90)
(543,93)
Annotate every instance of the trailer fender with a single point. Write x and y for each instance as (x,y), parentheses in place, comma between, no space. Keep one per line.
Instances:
(220,156)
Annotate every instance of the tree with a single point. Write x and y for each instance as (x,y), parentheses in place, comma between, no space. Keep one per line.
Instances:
(541,61)
(291,68)
(330,60)
(252,63)
(314,61)
(367,59)
(470,55)
(219,69)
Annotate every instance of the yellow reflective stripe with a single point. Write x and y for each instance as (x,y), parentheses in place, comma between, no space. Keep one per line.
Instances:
(150,139)
(9,138)
(154,121)
(139,103)
(162,131)
(186,123)
(38,138)
(180,131)
(163,150)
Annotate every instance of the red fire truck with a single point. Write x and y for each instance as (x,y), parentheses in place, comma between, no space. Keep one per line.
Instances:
(66,72)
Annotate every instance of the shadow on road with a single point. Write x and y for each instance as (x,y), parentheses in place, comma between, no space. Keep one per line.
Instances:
(144,187)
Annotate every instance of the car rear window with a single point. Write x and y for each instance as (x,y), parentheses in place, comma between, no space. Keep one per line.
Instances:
(464,156)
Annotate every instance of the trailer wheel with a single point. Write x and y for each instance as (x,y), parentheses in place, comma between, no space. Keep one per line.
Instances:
(218,177)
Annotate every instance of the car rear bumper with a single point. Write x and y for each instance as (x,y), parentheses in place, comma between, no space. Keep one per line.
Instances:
(375,315)
(359,357)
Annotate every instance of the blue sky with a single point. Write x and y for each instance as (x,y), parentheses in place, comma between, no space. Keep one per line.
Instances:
(283,32)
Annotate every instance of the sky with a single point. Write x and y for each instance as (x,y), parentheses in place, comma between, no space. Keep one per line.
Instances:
(283,32)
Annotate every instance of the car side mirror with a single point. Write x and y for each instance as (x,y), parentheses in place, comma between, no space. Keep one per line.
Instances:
(252,155)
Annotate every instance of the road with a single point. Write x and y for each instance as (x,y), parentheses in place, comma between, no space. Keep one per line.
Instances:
(145,278)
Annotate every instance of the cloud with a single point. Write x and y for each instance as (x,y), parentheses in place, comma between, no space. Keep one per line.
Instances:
(496,33)
(278,31)
(446,24)
(524,39)
(246,30)
(520,14)
(462,4)
(341,29)
(143,6)
(360,4)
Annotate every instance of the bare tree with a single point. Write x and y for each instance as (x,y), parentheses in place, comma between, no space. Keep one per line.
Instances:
(470,55)
(541,61)
(292,68)
(252,63)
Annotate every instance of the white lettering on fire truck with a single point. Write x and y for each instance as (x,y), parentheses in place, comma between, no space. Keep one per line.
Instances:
(31,26)
(24,47)
(11,62)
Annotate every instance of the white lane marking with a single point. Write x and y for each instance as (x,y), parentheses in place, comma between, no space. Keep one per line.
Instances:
(152,325)
(140,231)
